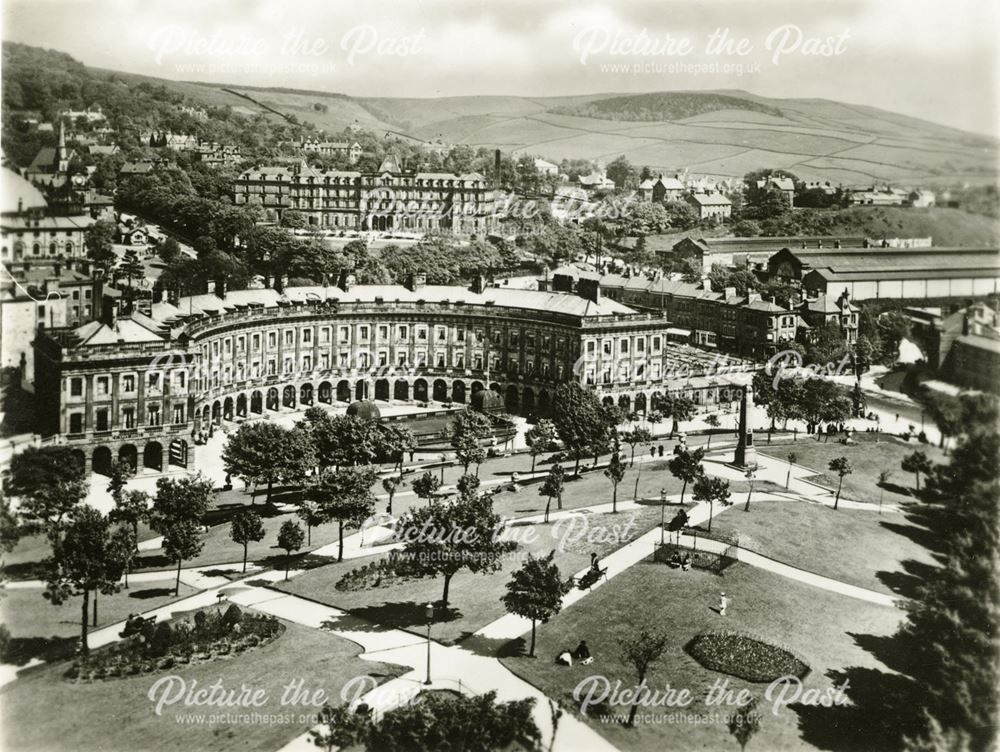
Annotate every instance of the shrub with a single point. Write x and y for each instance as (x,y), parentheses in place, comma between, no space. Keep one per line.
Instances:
(232,616)
(744,656)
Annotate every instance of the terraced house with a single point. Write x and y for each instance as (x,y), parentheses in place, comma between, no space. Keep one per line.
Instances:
(392,198)
(141,387)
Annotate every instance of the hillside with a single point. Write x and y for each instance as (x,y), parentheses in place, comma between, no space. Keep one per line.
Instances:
(947,227)
(671,105)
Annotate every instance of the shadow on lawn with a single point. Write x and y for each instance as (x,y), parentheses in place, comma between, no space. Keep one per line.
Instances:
(492,647)
(20,650)
(161,592)
(408,615)
(906,583)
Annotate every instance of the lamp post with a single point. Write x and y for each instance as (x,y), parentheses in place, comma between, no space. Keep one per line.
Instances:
(430,617)
(663,513)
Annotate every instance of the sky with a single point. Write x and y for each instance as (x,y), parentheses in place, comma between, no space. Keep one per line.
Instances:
(933,60)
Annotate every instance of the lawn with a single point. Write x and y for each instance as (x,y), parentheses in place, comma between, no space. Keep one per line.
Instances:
(474,599)
(867,459)
(41,711)
(859,547)
(40,629)
(817,626)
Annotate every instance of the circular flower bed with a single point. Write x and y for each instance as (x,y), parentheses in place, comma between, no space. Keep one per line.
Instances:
(744,656)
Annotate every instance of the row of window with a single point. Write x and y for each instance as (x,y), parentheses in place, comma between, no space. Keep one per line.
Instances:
(127,417)
(128,383)
(384,333)
(625,346)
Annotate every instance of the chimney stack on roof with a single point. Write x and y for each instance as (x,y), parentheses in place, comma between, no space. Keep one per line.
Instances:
(589,288)
(415,281)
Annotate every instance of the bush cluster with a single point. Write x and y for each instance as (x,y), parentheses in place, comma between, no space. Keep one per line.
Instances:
(149,647)
(744,656)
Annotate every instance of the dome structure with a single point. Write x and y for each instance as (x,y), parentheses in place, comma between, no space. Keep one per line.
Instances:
(364,409)
(487,401)
(18,195)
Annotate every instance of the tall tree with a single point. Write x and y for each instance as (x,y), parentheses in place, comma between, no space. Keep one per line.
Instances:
(290,539)
(641,650)
(536,592)
(310,512)
(181,540)
(711,489)
(345,497)
(245,528)
(578,419)
(842,467)
(426,485)
(615,472)
(540,438)
(634,438)
(40,467)
(686,467)
(268,452)
(916,462)
(83,562)
(132,507)
(467,432)
(552,487)
(99,242)
(441,539)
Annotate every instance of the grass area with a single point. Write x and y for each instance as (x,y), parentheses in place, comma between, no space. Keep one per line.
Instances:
(40,629)
(859,547)
(815,625)
(867,459)
(474,599)
(118,716)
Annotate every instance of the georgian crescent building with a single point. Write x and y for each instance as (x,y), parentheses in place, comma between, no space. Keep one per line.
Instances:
(389,199)
(141,388)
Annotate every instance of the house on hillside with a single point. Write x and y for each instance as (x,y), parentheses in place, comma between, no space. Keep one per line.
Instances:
(546,168)
(785,185)
(711,205)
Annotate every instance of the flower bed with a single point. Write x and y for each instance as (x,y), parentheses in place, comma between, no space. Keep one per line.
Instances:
(150,647)
(744,656)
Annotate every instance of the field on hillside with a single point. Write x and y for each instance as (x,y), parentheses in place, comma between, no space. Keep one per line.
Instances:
(724,133)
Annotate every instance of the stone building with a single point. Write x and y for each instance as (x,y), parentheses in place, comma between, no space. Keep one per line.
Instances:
(140,388)
(392,198)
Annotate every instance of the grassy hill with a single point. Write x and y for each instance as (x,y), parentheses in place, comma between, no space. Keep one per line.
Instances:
(948,227)
(722,133)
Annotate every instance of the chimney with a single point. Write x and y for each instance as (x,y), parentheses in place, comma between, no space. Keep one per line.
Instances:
(157,294)
(57,269)
(496,168)
(343,281)
(220,288)
(589,288)
(478,283)
(730,292)
(965,323)
(109,311)
(836,244)
(416,281)
(753,297)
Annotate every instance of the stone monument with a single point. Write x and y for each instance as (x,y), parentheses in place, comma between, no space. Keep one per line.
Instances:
(746,453)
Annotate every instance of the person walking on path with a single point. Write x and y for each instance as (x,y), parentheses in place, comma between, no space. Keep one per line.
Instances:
(723,604)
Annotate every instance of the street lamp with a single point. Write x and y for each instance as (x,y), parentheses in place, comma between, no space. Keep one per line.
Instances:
(429,613)
(663,513)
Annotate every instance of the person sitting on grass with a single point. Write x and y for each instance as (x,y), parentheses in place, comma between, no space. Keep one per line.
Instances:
(582,653)
(675,560)
(565,658)
(686,562)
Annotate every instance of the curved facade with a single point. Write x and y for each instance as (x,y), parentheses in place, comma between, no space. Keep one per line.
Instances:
(200,362)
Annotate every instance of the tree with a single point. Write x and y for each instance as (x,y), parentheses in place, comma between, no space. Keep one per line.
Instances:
(131,268)
(579,420)
(131,507)
(83,562)
(339,728)
(121,472)
(389,485)
(536,592)
(268,452)
(344,496)
(10,531)
(99,242)
(745,722)
(426,485)
(679,408)
(441,539)
(792,459)
(311,514)
(841,466)
(37,468)
(640,651)
(635,437)
(441,723)
(123,548)
(246,527)
(468,486)
(181,541)
(819,401)
(553,486)
(47,508)
(621,171)
(169,250)
(686,467)
(711,489)
(712,421)
(467,432)
(540,438)
(615,472)
(290,539)
(916,463)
